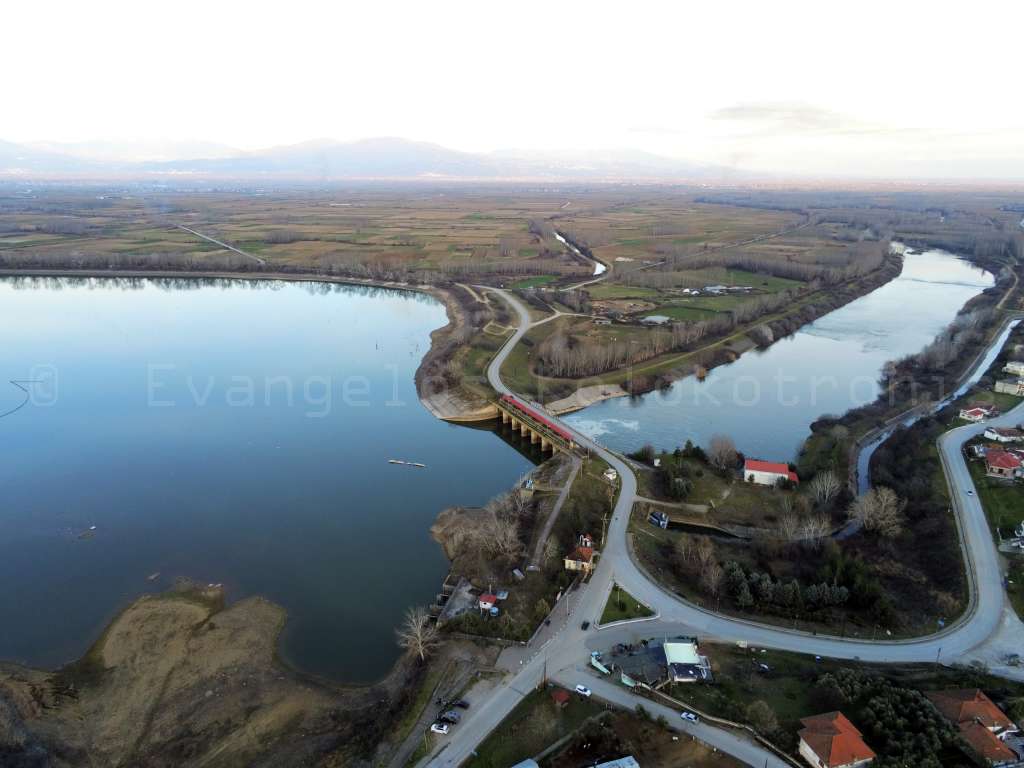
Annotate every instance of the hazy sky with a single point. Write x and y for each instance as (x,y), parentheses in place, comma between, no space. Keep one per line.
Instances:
(894,88)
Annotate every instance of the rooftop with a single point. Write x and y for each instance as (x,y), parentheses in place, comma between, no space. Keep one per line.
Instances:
(1001,460)
(756,465)
(969,705)
(834,739)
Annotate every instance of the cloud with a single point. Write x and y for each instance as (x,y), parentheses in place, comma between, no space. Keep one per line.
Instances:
(773,118)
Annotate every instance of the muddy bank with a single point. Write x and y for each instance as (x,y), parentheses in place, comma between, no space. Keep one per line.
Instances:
(178,679)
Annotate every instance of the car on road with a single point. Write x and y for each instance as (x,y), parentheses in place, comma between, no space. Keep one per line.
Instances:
(690,717)
(970,491)
(585,625)
(582,690)
(441,728)
(462,704)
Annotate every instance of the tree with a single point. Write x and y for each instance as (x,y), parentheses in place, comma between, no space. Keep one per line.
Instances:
(814,529)
(824,488)
(762,718)
(789,527)
(418,634)
(711,579)
(722,452)
(704,551)
(879,510)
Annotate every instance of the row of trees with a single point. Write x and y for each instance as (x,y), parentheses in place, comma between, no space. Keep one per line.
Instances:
(761,592)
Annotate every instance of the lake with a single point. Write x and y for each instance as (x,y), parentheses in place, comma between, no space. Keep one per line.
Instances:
(767,399)
(226,431)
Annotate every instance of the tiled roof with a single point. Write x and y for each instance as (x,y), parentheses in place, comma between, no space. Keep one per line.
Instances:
(1002,460)
(986,743)
(582,554)
(834,739)
(969,705)
(778,468)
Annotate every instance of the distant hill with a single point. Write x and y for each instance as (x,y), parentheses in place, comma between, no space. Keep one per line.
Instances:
(378,158)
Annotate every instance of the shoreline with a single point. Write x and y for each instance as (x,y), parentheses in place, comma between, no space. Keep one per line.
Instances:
(443,405)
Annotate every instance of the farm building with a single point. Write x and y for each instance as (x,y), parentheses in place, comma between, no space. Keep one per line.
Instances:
(767,472)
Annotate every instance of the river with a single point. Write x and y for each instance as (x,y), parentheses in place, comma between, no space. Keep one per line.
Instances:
(227,431)
(766,400)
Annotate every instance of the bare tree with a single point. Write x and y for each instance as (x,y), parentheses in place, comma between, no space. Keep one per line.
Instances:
(722,452)
(504,536)
(814,529)
(711,579)
(705,551)
(789,527)
(418,634)
(684,549)
(824,487)
(879,510)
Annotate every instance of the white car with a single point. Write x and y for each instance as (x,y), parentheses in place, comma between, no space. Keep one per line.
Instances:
(582,690)
(441,728)
(970,492)
(689,716)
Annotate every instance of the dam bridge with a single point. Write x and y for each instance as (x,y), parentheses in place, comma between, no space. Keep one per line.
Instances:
(529,422)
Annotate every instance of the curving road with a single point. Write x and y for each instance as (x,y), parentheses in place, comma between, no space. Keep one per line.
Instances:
(562,655)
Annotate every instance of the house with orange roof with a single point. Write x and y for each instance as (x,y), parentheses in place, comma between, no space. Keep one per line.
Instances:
(832,741)
(581,558)
(983,725)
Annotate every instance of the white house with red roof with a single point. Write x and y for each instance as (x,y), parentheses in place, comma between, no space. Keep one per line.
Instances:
(1004,434)
(999,463)
(978,412)
(767,472)
(832,741)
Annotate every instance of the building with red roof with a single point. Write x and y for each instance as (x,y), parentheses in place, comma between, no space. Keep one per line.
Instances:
(1000,463)
(767,472)
(832,741)
(561,697)
(982,724)
(487,601)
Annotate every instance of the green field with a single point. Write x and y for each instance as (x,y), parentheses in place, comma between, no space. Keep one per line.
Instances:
(622,606)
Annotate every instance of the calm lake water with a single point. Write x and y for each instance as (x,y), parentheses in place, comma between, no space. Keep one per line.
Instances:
(767,400)
(226,431)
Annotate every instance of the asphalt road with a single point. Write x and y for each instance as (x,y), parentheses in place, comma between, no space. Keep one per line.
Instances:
(562,655)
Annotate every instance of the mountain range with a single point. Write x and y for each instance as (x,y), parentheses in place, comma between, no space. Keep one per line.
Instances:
(324,159)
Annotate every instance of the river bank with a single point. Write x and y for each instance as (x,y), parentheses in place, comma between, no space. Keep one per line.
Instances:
(660,373)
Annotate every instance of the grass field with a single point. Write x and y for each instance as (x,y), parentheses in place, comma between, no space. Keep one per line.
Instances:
(533,725)
(622,606)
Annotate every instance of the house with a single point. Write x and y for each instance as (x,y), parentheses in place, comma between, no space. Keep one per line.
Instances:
(1000,463)
(602,321)
(1004,434)
(767,472)
(1016,367)
(561,697)
(684,662)
(487,601)
(1010,387)
(832,741)
(978,412)
(611,475)
(982,724)
(581,558)
(528,763)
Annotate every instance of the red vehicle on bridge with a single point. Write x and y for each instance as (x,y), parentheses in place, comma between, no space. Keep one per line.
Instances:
(544,421)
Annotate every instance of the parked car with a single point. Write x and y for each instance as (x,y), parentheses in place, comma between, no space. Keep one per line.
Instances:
(585,625)
(441,728)
(689,716)
(582,690)
(462,704)
(451,716)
